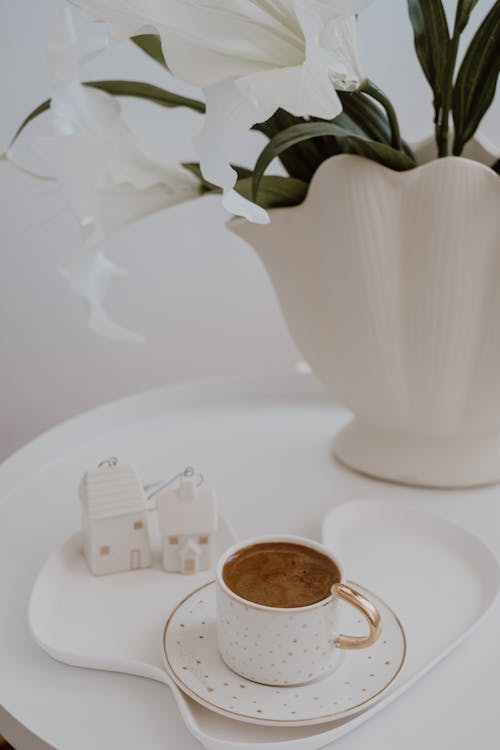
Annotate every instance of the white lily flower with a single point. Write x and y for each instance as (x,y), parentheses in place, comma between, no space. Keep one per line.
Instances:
(108,175)
(250,57)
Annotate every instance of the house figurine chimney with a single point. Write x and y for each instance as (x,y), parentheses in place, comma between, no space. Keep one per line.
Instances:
(187,519)
(187,489)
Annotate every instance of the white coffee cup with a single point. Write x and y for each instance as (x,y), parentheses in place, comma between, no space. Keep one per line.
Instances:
(292,645)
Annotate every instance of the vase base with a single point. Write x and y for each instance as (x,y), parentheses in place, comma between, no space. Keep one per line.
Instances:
(419,460)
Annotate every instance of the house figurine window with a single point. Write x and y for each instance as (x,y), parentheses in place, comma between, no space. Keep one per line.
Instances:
(138,525)
(203,539)
(104,550)
(173,540)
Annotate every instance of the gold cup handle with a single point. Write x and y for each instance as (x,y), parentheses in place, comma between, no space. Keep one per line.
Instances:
(367,609)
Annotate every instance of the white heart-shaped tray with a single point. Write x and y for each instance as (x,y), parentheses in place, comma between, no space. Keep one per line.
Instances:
(440,592)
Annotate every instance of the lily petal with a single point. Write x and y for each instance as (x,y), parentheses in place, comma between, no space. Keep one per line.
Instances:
(108,176)
(229,114)
(90,274)
(250,57)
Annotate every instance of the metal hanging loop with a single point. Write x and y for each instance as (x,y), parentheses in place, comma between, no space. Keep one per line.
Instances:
(111,461)
(189,471)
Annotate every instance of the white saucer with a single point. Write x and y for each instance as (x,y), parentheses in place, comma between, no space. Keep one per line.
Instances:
(191,658)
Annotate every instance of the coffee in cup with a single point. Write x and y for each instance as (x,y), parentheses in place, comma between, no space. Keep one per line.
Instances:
(280,574)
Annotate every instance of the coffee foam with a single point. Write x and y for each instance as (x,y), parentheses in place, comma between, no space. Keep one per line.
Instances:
(280,574)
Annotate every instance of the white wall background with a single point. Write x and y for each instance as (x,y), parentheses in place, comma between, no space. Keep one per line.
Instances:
(197,293)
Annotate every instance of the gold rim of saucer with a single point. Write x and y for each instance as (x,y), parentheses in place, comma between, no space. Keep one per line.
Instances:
(290,722)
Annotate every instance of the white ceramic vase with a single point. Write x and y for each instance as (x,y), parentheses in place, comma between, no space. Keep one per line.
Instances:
(390,285)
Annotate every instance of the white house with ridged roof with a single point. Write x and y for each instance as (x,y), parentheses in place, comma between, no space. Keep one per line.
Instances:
(187,518)
(114,521)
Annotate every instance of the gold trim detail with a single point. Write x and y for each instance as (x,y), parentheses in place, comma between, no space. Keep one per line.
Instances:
(367,609)
(256,719)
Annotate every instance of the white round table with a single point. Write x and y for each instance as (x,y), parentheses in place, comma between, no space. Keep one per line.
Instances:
(265,444)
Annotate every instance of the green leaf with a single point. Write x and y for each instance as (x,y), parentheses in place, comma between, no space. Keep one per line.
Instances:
(347,143)
(369,117)
(360,116)
(43,107)
(432,39)
(151,45)
(126,88)
(147,91)
(194,167)
(275,191)
(477,79)
(464,10)
(366,114)
(300,161)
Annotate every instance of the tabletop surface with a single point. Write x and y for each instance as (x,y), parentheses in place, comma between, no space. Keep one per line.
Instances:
(265,444)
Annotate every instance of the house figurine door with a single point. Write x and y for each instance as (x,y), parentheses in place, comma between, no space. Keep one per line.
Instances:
(135,559)
(190,565)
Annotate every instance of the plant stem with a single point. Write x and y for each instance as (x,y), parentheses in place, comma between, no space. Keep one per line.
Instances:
(368,87)
(443,124)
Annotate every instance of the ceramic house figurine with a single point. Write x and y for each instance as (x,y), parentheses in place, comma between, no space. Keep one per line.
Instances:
(115,534)
(187,517)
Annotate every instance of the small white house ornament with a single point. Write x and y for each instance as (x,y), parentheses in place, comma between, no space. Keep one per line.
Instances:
(114,523)
(187,518)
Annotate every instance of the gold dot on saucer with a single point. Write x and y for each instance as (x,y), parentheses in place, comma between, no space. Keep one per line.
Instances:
(259,711)
(387,662)
(242,686)
(210,690)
